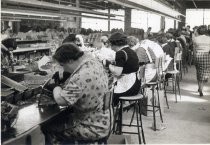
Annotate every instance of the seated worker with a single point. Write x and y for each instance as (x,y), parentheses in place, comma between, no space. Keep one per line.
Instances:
(141,51)
(145,55)
(124,68)
(84,91)
(104,52)
(59,77)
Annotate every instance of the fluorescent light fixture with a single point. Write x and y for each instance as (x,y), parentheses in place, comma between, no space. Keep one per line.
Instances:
(149,6)
(27,12)
(157,6)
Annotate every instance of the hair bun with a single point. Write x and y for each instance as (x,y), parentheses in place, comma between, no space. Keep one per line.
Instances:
(117,36)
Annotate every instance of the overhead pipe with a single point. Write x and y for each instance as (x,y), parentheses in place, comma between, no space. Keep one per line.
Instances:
(194,4)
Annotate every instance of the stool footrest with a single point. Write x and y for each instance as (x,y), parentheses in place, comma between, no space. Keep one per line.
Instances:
(131,98)
(129,132)
(155,110)
(130,125)
(154,106)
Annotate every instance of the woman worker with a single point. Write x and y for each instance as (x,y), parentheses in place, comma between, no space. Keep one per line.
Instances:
(84,91)
(202,57)
(124,69)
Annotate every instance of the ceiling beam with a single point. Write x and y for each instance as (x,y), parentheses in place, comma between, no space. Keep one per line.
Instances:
(140,7)
(194,4)
(42,4)
(199,4)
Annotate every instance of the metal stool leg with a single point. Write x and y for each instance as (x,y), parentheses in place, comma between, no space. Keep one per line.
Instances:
(120,117)
(161,117)
(142,130)
(178,87)
(153,107)
(174,75)
(137,118)
(134,110)
(165,95)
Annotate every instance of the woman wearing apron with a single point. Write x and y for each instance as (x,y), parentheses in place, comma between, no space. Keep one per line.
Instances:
(124,68)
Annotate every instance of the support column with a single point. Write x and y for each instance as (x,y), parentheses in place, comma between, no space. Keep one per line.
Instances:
(127,19)
(16,27)
(109,20)
(162,22)
(174,24)
(182,23)
(78,19)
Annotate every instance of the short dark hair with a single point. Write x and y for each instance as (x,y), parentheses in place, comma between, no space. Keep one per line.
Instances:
(202,30)
(70,38)
(118,39)
(66,52)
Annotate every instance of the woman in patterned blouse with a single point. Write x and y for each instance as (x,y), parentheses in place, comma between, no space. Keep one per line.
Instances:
(85,92)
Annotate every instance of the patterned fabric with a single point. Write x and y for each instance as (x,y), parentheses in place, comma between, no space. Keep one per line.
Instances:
(89,121)
(143,57)
(202,66)
(155,47)
(202,43)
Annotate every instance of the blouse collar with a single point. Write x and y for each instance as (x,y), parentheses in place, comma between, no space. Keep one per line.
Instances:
(123,47)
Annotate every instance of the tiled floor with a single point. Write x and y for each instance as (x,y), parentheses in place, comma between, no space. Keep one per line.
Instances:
(187,122)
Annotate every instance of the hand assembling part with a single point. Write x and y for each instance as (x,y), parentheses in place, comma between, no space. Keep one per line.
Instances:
(106,63)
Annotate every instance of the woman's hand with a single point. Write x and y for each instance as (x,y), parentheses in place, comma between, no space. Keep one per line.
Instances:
(106,63)
(58,97)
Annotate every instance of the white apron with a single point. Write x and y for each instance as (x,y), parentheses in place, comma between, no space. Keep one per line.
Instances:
(125,82)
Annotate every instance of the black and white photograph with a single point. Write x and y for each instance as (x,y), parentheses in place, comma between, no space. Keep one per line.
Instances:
(100,72)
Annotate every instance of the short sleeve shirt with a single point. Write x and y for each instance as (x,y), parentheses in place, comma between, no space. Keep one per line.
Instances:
(127,59)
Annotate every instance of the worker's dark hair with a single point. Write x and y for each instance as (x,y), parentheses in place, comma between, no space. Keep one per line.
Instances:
(202,30)
(66,52)
(70,38)
(118,39)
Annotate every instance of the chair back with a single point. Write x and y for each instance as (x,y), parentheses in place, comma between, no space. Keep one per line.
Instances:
(141,74)
(108,97)
(178,60)
(159,66)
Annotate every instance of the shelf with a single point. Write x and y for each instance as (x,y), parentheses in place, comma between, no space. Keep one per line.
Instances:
(30,49)
(30,41)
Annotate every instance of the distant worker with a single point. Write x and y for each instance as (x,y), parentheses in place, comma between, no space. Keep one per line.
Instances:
(148,33)
(202,57)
